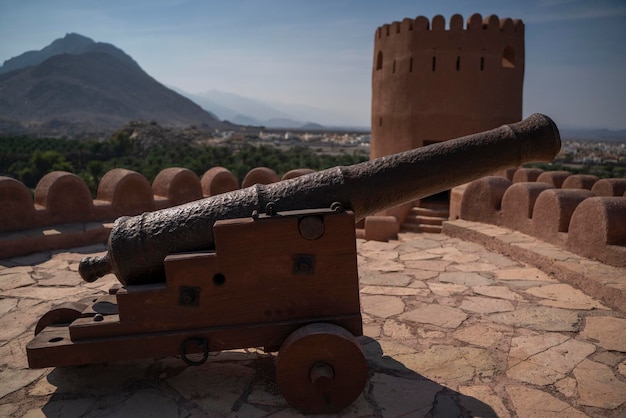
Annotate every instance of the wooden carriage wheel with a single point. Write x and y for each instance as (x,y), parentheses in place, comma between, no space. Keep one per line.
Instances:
(321,368)
(64,313)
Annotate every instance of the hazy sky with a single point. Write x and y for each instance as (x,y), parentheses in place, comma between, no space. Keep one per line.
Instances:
(319,52)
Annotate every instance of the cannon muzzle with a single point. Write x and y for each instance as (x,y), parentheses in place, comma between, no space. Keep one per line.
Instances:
(138,245)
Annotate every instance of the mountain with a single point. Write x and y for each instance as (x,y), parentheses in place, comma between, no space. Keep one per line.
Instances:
(243,110)
(72,43)
(76,85)
(247,111)
(239,105)
(326,116)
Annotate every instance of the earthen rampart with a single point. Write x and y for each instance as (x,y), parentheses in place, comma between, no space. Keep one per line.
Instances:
(63,214)
(581,213)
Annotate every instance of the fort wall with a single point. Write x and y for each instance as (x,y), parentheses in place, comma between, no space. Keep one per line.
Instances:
(580,213)
(63,214)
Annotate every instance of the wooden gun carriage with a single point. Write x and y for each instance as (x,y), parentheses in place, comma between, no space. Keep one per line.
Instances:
(287,279)
(216,274)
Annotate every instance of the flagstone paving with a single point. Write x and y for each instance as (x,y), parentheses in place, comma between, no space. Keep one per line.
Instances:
(451,329)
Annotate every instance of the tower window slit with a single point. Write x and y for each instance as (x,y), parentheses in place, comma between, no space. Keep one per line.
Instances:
(434,63)
(482,63)
(458,63)
(508,57)
(379,60)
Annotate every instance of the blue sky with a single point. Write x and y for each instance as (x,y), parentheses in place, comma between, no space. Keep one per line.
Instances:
(319,52)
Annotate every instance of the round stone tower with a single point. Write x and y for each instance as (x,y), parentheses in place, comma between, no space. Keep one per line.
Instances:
(431,83)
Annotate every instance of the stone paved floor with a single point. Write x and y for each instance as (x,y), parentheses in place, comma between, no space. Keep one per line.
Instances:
(451,329)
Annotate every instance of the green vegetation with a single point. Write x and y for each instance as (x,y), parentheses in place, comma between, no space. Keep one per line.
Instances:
(29,159)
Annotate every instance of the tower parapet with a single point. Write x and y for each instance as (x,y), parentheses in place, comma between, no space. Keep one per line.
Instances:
(431,83)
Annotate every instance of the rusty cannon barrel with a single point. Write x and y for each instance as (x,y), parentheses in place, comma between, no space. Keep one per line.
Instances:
(138,245)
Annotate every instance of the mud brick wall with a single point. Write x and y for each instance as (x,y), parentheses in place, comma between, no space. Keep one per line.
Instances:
(63,214)
(580,213)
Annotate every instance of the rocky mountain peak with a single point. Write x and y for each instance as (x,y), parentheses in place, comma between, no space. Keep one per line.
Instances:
(75,86)
(71,43)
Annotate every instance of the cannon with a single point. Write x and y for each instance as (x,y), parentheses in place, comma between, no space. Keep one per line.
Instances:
(139,244)
(271,266)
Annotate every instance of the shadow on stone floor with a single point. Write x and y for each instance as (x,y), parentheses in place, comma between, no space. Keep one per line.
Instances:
(238,384)
(399,391)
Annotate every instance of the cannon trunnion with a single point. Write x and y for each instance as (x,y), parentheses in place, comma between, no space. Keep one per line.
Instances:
(287,279)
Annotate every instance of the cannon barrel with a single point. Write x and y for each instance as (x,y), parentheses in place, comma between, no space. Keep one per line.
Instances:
(138,245)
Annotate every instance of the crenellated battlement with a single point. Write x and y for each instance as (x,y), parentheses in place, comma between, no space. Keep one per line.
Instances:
(424,46)
(474,23)
(63,214)
(579,212)
(555,206)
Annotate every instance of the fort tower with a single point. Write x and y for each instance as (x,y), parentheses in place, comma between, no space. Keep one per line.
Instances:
(431,83)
